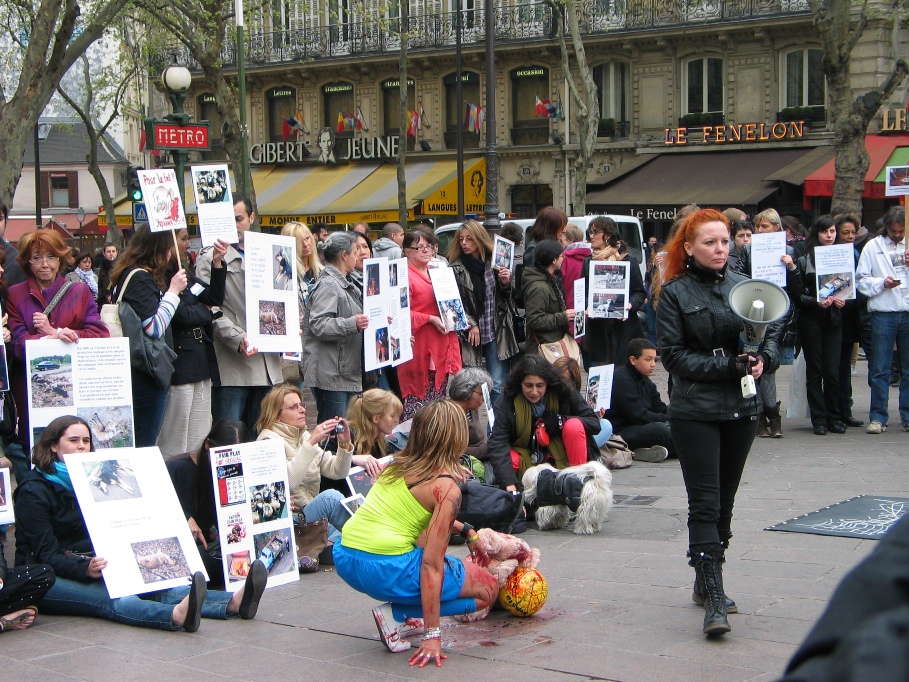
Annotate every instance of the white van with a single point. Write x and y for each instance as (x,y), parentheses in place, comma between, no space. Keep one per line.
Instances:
(630,231)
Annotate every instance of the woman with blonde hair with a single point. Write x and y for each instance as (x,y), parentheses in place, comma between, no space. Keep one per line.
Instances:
(283,416)
(372,416)
(393,548)
(485,292)
(308,264)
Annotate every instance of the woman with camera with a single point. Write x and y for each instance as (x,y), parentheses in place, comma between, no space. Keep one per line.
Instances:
(713,421)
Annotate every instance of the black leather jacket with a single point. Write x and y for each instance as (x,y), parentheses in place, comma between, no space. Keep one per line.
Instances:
(698,336)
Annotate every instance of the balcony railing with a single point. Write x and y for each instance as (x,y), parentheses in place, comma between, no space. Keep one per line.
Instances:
(513,23)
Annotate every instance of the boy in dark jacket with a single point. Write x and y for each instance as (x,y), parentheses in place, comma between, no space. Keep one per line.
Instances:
(638,414)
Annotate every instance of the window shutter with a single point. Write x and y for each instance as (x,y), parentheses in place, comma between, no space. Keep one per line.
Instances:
(45,189)
(72,181)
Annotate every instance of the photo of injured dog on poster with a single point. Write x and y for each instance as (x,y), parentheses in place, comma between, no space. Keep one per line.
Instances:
(134,519)
(272,305)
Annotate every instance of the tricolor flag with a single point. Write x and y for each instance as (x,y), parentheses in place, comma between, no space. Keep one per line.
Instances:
(475,117)
(545,108)
(413,123)
(294,124)
(346,122)
(423,120)
(560,112)
(361,121)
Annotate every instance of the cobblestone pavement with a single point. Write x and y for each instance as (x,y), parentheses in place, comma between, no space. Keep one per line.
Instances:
(619,605)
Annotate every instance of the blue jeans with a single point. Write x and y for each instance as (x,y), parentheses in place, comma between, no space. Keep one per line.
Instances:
(153,610)
(330,404)
(498,369)
(887,328)
(327,504)
(604,434)
(149,401)
(242,403)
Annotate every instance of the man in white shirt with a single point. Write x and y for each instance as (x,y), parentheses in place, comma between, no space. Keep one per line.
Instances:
(883,276)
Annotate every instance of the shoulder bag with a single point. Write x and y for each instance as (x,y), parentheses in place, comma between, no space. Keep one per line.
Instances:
(564,347)
(488,506)
(311,539)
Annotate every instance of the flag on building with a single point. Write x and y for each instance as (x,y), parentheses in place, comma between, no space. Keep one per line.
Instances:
(361,121)
(546,108)
(476,115)
(413,123)
(423,120)
(560,112)
(294,124)
(346,122)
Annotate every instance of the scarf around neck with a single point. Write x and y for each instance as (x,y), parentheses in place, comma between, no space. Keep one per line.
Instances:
(89,278)
(476,270)
(606,253)
(60,477)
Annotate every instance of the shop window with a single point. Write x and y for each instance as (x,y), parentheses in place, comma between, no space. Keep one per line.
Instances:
(59,189)
(803,79)
(282,103)
(703,86)
(527,84)
(614,93)
(391,101)
(456,111)
(207,109)
(528,200)
(338,98)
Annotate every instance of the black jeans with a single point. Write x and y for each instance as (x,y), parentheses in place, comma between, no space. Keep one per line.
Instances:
(821,344)
(712,455)
(648,435)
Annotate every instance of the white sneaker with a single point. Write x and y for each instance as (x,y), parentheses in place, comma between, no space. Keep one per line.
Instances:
(657,453)
(389,629)
(875,427)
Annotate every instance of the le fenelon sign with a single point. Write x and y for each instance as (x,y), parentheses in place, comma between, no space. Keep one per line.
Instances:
(736,132)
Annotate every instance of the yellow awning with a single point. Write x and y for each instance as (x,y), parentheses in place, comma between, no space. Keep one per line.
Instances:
(444,201)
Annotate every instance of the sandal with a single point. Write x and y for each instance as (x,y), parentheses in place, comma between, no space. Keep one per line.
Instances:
(19,620)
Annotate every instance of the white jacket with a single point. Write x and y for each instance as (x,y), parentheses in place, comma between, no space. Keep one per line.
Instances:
(873,268)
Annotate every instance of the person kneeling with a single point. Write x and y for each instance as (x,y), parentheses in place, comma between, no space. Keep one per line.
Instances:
(638,414)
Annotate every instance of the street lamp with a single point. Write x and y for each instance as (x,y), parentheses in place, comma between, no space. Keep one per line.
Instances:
(176,80)
(80,216)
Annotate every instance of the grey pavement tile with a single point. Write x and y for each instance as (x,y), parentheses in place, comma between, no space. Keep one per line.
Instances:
(737,646)
(28,672)
(795,609)
(35,643)
(769,628)
(101,663)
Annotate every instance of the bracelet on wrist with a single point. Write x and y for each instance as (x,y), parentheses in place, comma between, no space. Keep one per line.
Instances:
(473,539)
(432,633)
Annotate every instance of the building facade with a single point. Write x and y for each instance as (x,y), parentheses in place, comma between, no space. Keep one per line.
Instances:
(720,102)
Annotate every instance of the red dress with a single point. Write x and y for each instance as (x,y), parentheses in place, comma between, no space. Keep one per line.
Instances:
(436,356)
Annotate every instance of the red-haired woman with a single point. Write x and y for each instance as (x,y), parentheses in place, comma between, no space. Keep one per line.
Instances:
(713,425)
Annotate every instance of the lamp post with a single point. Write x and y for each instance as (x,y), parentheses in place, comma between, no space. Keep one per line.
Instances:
(80,216)
(176,80)
(492,159)
(241,77)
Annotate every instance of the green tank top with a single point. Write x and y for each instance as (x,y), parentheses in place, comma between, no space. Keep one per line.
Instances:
(389,522)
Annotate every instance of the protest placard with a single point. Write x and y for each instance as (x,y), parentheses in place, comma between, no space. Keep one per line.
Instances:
(399,331)
(897,181)
(252,503)
(767,248)
(134,520)
(6,499)
(272,304)
(214,204)
(448,298)
(360,482)
(91,379)
(376,307)
(162,199)
(599,387)
(487,403)
(609,285)
(503,253)
(835,271)
(580,319)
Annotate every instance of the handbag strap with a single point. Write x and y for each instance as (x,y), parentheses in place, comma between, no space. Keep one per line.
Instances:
(56,299)
(126,282)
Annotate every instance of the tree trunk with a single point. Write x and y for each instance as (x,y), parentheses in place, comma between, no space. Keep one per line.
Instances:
(402,139)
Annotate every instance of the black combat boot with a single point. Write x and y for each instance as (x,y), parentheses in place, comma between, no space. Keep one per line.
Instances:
(708,569)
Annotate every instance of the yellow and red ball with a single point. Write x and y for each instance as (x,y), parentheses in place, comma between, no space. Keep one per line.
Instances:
(525,592)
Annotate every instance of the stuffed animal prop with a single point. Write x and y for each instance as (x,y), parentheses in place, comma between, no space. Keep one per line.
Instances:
(584,489)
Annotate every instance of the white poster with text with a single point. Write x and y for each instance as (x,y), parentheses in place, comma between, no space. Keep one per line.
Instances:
(608,296)
(134,520)
(376,305)
(767,249)
(272,304)
(400,329)
(835,271)
(214,205)
(448,298)
(90,379)
(599,387)
(162,199)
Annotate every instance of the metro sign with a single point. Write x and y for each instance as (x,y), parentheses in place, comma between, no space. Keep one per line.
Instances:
(167,135)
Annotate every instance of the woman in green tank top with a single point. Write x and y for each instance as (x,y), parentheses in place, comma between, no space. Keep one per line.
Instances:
(393,548)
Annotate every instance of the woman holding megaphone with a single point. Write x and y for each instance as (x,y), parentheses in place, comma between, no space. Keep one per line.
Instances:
(713,421)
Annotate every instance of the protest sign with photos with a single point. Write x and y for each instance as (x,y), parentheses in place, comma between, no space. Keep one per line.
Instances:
(599,387)
(162,199)
(448,298)
(214,204)
(835,271)
(608,297)
(272,304)
(376,307)
(6,499)
(503,253)
(399,330)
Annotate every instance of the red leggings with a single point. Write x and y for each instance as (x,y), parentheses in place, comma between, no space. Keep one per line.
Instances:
(574,438)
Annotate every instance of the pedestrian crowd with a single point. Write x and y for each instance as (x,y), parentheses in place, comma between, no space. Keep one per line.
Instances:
(518,348)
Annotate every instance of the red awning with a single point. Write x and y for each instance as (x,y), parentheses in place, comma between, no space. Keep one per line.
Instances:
(879,148)
(16,226)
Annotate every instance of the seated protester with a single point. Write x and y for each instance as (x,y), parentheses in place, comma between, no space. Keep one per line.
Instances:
(50,529)
(372,416)
(191,476)
(466,391)
(571,373)
(638,414)
(284,416)
(539,419)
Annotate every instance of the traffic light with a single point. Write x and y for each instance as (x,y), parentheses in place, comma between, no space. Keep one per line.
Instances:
(133,188)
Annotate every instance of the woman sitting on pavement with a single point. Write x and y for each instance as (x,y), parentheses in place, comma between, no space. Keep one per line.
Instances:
(50,529)
(539,419)
(571,373)
(393,548)
(284,417)
(372,417)
(191,476)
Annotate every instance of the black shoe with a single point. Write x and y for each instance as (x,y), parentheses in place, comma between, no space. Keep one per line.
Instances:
(820,430)
(852,421)
(836,427)
(197,592)
(698,597)
(253,589)
(708,568)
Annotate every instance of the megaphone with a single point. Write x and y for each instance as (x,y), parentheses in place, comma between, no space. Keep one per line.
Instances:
(759,303)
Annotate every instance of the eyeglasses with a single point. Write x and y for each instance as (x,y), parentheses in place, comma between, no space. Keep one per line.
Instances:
(37,260)
(293,408)
(465,239)
(421,247)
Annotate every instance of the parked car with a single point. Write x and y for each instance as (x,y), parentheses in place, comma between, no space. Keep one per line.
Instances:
(46,365)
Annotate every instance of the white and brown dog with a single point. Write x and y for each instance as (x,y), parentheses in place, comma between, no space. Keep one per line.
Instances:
(584,489)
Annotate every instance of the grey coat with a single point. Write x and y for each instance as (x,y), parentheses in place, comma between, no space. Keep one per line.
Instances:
(332,344)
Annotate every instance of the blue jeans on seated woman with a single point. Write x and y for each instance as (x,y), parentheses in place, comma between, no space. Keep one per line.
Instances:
(327,505)
(152,610)
(605,433)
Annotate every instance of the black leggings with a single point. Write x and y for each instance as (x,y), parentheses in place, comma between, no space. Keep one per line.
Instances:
(25,586)
(712,455)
